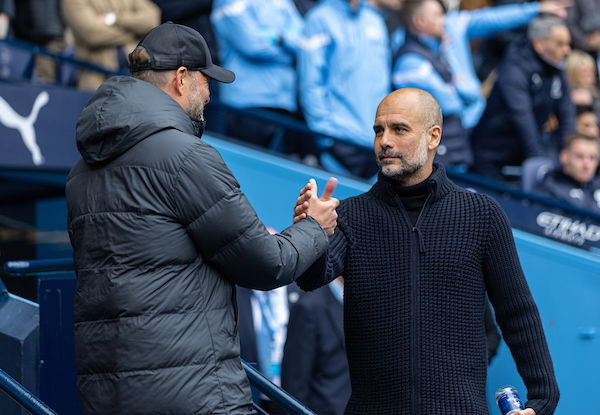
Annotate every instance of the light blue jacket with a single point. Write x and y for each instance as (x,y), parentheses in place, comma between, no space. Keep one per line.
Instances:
(463,97)
(258,40)
(344,69)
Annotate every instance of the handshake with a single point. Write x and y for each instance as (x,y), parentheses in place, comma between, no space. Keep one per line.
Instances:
(320,208)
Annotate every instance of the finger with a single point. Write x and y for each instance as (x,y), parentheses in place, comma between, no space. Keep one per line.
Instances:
(305,188)
(329,188)
(313,186)
(298,218)
(301,208)
(301,199)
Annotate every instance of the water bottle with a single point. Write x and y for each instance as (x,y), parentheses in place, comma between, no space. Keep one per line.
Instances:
(508,400)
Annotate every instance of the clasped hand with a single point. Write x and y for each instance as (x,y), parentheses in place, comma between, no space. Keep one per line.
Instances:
(321,208)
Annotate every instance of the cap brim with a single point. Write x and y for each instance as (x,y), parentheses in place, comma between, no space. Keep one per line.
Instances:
(219,74)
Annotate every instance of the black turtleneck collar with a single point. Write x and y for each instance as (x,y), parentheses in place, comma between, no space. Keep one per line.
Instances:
(437,183)
(413,197)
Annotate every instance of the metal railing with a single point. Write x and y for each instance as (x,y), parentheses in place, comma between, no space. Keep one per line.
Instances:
(256,378)
(22,396)
(38,50)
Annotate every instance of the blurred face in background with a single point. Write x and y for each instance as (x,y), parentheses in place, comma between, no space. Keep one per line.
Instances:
(580,160)
(390,4)
(585,76)
(556,47)
(587,123)
(429,19)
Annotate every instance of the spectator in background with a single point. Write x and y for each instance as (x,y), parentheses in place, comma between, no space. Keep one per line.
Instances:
(7,14)
(582,73)
(106,32)
(487,54)
(390,11)
(262,326)
(192,13)
(259,41)
(315,367)
(344,72)
(578,12)
(576,180)
(531,86)
(587,121)
(591,28)
(436,57)
(40,22)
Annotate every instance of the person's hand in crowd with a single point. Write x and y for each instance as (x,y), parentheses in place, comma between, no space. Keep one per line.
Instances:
(582,96)
(322,209)
(4,25)
(556,8)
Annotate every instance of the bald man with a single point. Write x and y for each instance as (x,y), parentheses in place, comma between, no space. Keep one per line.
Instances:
(418,254)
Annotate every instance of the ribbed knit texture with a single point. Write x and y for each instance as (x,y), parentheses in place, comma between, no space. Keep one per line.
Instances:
(414,302)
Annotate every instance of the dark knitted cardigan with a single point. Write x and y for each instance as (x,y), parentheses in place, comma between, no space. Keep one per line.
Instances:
(415,298)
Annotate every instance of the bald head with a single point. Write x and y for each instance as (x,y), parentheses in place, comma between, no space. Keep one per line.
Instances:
(407,132)
(422,102)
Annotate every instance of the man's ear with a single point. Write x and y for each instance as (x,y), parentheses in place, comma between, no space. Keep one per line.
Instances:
(181,80)
(417,22)
(434,136)
(562,156)
(538,45)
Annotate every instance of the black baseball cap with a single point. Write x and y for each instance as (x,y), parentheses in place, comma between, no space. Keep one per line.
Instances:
(171,46)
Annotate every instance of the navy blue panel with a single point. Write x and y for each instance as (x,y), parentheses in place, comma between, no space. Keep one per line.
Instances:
(56,294)
(51,127)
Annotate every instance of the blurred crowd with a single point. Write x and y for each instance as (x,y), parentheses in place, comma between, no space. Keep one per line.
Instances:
(515,80)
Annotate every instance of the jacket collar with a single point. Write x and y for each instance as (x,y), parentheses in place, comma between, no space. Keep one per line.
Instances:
(198,126)
(438,184)
(560,175)
(538,62)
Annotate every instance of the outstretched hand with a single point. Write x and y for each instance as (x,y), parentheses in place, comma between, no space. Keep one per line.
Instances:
(322,209)
(556,8)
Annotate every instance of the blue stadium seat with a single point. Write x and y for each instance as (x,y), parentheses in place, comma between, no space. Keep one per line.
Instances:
(533,171)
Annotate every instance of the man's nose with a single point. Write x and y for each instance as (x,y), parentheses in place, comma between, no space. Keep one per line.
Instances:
(386,141)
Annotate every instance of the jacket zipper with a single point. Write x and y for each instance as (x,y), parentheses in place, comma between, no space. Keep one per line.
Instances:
(416,249)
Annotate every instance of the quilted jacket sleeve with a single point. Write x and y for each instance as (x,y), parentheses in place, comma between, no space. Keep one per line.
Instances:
(228,233)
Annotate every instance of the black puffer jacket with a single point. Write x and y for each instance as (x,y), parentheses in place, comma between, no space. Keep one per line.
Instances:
(161,233)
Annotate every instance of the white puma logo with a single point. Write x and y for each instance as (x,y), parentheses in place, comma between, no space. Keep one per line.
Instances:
(11,119)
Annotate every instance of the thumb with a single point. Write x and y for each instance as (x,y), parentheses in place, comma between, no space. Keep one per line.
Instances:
(329,188)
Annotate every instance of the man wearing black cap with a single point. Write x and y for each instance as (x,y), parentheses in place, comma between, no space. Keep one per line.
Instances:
(161,233)
(590,25)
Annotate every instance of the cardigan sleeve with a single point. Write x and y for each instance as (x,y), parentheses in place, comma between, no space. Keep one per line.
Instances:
(517,314)
(331,265)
